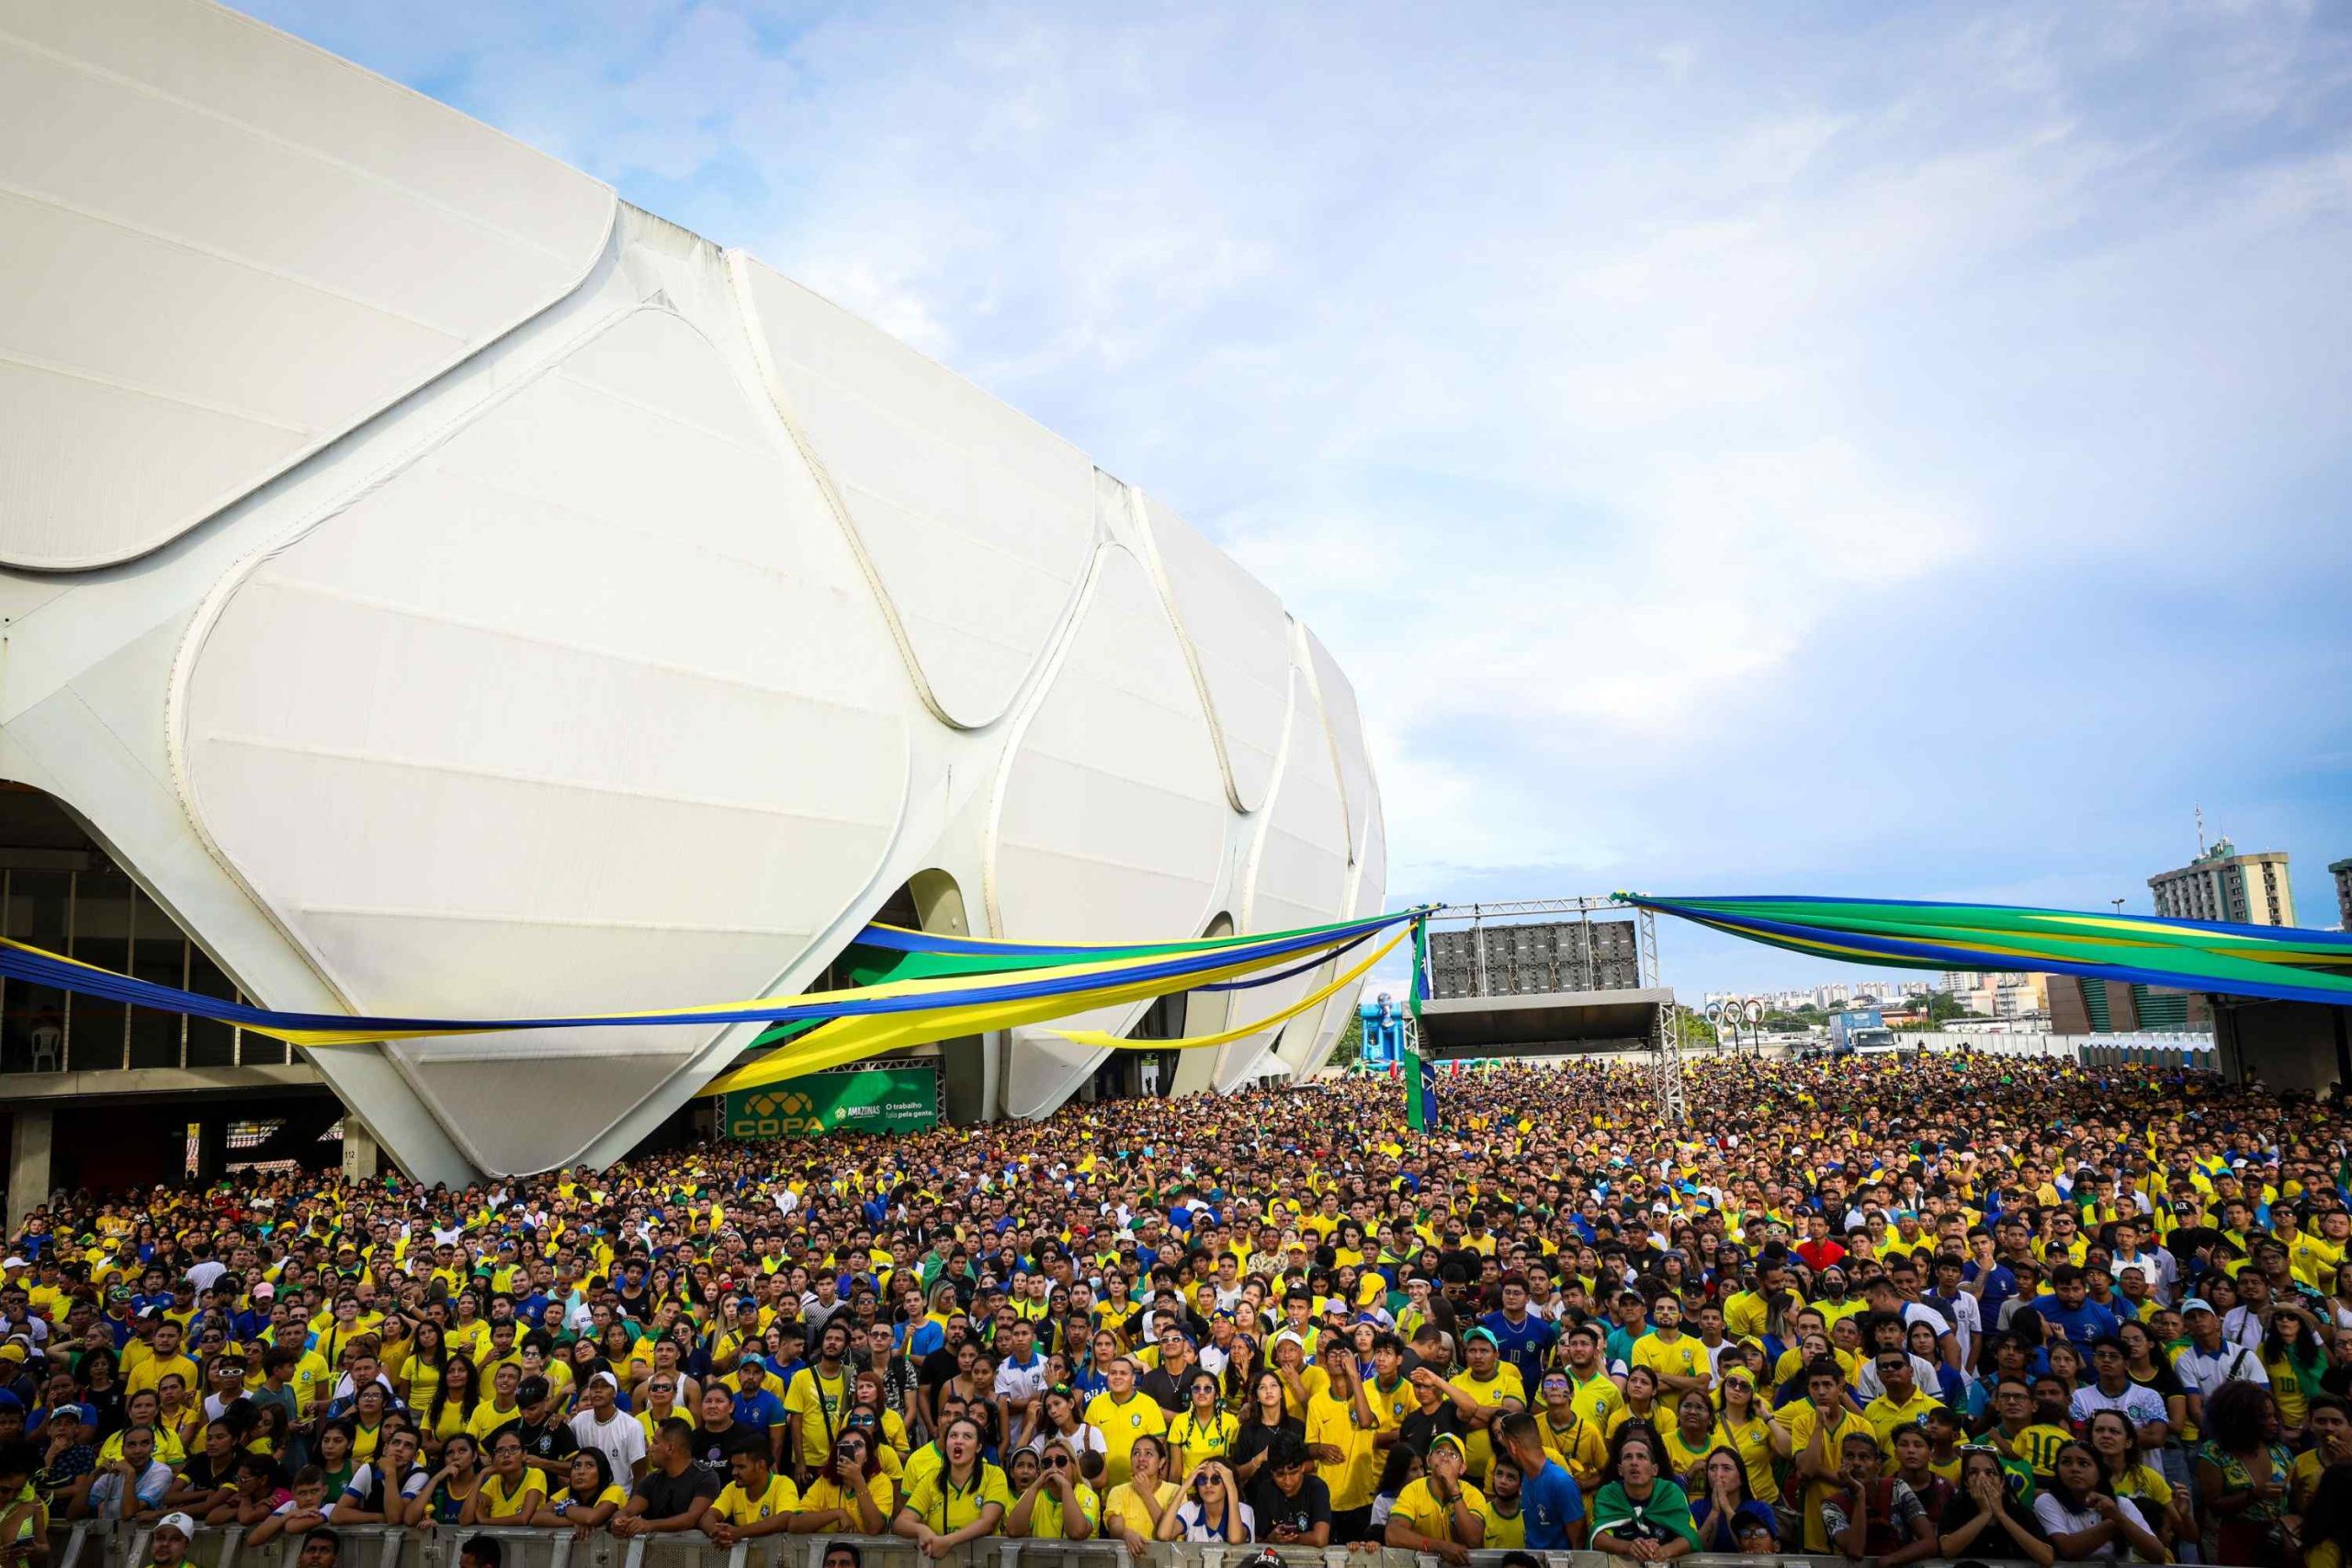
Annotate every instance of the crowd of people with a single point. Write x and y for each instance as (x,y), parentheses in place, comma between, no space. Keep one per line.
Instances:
(1943,1307)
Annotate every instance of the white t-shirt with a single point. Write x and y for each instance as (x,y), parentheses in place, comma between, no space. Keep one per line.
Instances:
(1196,1527)
(2231,1363)
(1968,1325)
(2056,1519)
(1868,1387)
(2244,1326)
(2138,1405)
(344,1389)
(621,1440)
(1087,1439)
(1016,1381)
(356,1489)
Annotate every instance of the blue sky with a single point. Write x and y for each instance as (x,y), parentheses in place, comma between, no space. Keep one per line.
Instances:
(1840,449)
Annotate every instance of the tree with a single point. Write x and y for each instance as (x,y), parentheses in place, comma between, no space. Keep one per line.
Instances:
(1349,1044)
(1942,1007)
(1696,1032)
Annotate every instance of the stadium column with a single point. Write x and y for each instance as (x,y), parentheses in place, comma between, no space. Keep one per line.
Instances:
(1204,1012)
(32,1135)
(361,1158)
(1415,1102)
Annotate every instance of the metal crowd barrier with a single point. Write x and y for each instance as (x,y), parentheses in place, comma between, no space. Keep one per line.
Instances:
(90,1543)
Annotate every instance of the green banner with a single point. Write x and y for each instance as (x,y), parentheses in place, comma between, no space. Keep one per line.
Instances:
(899,1098)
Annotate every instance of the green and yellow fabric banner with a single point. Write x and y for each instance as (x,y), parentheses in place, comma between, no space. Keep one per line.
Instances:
(906,988)
(2285,963)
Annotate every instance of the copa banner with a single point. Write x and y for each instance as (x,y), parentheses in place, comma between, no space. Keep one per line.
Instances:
(898,1098)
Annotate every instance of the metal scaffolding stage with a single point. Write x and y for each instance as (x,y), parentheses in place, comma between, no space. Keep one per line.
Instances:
(1517,984)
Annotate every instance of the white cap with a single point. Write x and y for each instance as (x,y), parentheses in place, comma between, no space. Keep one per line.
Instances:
(180,1522)
(607,1380)
(12,1261)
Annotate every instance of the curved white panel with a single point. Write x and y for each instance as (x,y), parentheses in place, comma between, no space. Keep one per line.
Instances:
(977,520)
(1297,873)
(589,704)
(224,249)
(1346,727)
(1240,641)
(1111,814)
(1367,893)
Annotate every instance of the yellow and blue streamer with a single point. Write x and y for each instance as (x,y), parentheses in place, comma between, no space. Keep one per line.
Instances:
(1038,982)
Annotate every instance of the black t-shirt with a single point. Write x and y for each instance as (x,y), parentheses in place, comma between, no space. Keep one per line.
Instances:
(2167,1383)
(550,1439)
(200,1472)
(1417,1430)
(714,1451)
(1256,1437)
(1310,1507)
(1161,1388)
(666,1496)
(938,1367)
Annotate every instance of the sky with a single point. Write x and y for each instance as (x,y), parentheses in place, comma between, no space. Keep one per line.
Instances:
(1843,449)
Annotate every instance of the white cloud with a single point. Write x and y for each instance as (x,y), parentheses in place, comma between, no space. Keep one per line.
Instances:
(1614,402)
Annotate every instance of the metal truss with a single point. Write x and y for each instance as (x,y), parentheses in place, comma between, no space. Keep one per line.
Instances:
(1668,1071)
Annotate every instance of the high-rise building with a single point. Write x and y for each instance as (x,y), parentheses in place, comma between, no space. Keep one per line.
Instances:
(2222,885)
(2342,872)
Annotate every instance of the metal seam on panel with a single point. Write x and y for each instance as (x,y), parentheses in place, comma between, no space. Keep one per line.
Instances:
(356,422)
(1165,583)
(303,587)
(1303,652)
(227,258)
(107,842)
(233,579)
(116,383)
(1029,704)
(531,781)
(1277,777)
(540,922)
(358,171)
(748,317)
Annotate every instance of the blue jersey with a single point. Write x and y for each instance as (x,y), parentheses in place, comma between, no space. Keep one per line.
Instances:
(1550,1501)
(1523,1345)
(2000,1284)
(759,1411)
(2082,1325)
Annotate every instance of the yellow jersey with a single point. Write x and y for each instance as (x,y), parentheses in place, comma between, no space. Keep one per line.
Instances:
(739,1507)
(948,1507)
(1418,1507)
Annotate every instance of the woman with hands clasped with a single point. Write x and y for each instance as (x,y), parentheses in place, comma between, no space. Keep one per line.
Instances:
(2084,1518)
(1984,1520)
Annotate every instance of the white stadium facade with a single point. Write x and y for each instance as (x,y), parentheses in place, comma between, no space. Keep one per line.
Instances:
(435,587)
